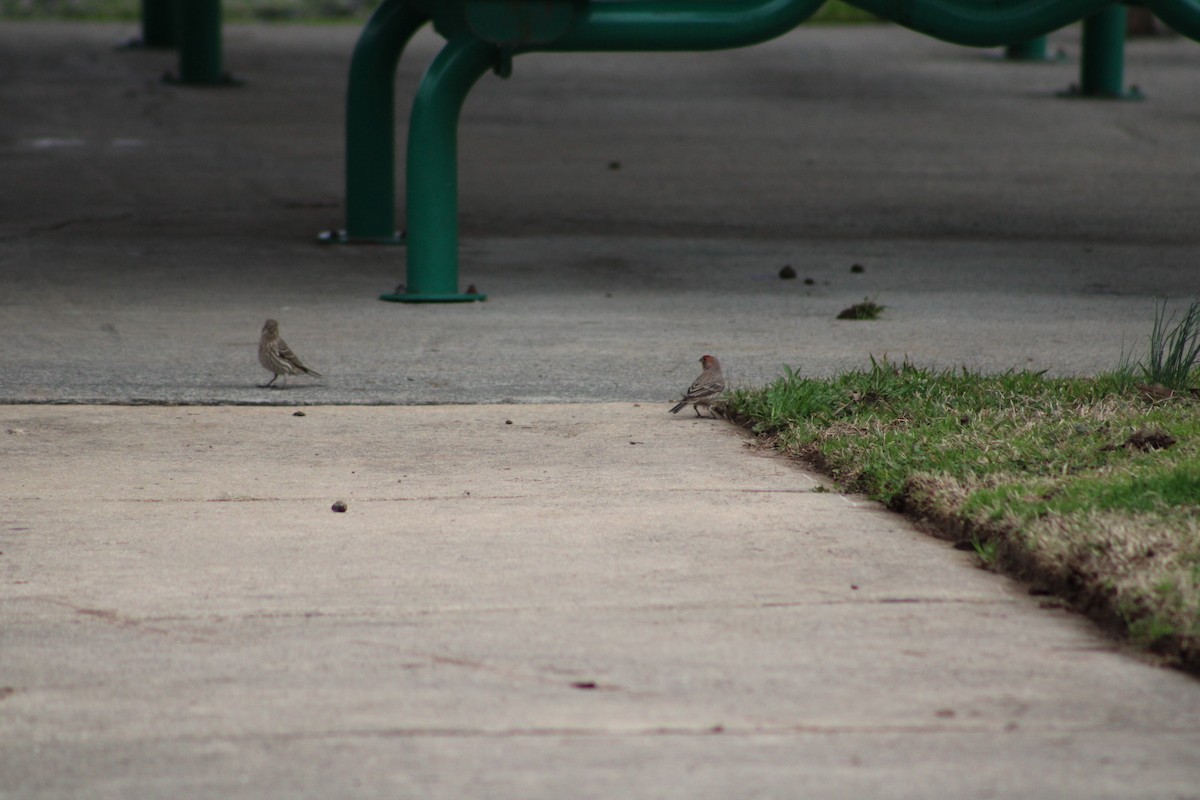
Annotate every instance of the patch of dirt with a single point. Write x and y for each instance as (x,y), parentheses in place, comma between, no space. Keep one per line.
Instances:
(1145,439)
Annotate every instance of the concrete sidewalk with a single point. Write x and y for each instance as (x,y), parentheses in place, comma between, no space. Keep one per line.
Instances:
(598,599)
(522,602)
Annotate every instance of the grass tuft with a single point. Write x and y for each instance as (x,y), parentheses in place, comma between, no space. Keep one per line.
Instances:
(1174,348)
(867,309)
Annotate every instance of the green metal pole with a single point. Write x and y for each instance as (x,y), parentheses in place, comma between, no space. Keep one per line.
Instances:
(432,189)
(432,160)
(371,125)
(1029,50)
(997,23)
(159,23)
(1102,58)
(1035,50)
(200,44)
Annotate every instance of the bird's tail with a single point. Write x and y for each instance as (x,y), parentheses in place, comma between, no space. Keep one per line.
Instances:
(682,403)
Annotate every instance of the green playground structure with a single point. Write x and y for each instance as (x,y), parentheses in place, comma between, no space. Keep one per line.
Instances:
(484,35)
(487,34)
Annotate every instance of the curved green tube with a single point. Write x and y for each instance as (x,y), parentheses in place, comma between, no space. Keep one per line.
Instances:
(663,25)
(993,24)
(370,121)
(1182,15)
(432,189)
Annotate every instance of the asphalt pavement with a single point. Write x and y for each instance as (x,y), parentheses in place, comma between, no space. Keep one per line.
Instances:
(543,585)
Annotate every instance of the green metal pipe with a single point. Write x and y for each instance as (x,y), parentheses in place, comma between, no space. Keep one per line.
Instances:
(200,43)
(976,24)
(1029,50)
(641,25)
(159,23)
(432,189)
(370,121)
(432,158)
(1102,56)
(664,25)
(1182,15)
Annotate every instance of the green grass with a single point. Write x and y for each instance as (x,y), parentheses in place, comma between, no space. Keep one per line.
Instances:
(867,309)
(1055,480)
(1174,348)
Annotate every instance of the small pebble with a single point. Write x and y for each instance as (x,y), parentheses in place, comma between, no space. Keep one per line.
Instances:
(857,268)
(299,414)
(508,422)
(787,273)
(340,507)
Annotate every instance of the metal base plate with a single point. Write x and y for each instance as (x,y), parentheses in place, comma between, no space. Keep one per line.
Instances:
(225,81)
(1073,92)
(138,43)
(433,298)
(340,236)
(1059,56)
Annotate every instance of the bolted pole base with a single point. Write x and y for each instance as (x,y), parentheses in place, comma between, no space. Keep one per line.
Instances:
(417,297)
(343,236)
(1102,58)
(1074,92)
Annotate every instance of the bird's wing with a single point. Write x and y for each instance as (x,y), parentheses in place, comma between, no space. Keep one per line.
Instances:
(705,385)
(286,354)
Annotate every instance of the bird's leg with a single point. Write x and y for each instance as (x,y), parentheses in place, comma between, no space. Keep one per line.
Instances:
(267,385)
(696,408)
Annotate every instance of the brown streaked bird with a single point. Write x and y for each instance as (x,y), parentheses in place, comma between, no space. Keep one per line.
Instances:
(706,388)
(276,357)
